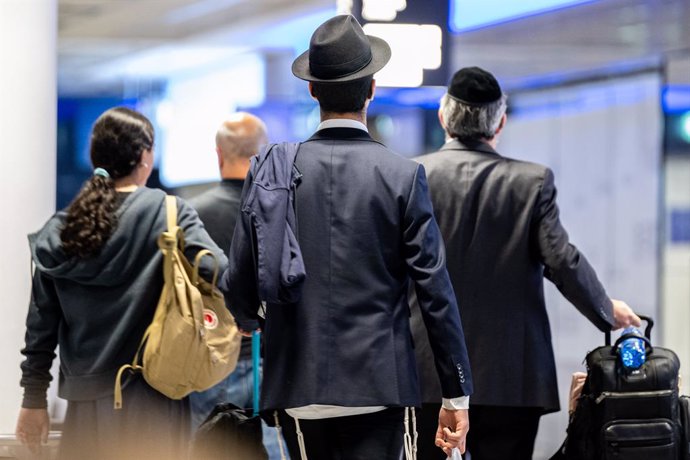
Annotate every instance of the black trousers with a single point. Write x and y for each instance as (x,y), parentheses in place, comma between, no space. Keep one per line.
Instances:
(496,432)
(427,423)
(378,435)
(499,433)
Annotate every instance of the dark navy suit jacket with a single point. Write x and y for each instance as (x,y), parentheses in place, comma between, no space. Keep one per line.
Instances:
(366,231)
(503,235)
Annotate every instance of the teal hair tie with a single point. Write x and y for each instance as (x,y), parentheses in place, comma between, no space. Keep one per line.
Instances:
(101,172)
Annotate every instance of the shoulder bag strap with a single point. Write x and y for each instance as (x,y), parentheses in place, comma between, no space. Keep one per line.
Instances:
(256,345)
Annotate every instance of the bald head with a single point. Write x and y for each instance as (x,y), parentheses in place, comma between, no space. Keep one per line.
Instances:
(237,140)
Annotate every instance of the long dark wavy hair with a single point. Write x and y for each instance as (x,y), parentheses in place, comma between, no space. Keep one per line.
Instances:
(118,139)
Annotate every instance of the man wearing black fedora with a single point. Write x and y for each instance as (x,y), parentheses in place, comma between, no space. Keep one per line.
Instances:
(501,226)
(339,366)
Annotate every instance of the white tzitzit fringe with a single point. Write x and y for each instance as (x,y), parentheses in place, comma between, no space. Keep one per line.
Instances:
(300,440)
(410,439)
(279,436)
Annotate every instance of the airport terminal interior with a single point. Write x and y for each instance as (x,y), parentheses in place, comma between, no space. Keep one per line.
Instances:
(598,90)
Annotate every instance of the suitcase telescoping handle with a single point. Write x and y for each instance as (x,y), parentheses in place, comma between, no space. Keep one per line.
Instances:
(647,332)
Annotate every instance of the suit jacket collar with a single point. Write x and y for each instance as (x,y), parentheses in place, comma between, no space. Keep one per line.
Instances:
(473,146)
(353,134)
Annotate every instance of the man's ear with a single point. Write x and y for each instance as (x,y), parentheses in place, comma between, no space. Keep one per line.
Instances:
(372,90)
(311,92)
(501,124)
(440,119)
(220,158)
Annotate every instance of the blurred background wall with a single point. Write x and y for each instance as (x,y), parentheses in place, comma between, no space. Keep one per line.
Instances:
(599,90)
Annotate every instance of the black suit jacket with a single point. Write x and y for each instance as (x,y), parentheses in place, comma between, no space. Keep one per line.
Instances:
(501,226)
(366,229)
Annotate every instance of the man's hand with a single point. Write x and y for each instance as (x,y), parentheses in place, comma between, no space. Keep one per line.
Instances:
(32,428)
(453,426)
(623,315)
(576,385)
(244,333)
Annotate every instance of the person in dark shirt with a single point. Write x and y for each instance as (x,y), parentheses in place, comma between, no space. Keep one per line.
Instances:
(237,140)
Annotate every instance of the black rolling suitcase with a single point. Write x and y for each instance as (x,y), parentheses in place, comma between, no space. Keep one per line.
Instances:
(628,414)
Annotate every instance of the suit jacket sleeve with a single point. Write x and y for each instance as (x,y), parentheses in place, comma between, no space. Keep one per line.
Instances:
(239,283)
(565,265)
(426,261)
(42,326)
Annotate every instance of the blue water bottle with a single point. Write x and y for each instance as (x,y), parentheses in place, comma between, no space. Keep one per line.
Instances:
(632,350)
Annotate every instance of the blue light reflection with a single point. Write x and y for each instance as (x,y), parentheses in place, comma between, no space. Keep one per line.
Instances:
(473,14)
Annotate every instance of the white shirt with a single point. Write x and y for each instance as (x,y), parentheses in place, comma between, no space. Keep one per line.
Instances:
(342,123)
(318,411)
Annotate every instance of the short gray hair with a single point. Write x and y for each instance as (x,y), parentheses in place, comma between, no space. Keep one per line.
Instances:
(467,122)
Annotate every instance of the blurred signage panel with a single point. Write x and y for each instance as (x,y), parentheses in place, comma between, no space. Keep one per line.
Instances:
(194,107)
(676,98)
(415,48)
(473,14)
(382,10)
(680,226)
(417,32)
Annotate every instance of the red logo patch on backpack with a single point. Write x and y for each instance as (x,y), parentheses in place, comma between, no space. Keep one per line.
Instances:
(210,319)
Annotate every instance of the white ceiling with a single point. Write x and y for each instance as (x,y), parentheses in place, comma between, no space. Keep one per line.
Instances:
(106,46)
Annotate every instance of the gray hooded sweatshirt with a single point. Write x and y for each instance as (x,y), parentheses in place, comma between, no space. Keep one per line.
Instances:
(97,309)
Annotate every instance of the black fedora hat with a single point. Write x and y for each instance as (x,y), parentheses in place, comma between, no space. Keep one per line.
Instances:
(339,51)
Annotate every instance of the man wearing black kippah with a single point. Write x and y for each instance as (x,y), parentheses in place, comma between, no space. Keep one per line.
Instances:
(499,219)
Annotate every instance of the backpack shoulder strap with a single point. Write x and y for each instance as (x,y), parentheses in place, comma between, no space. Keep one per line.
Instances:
(171,211)
(171,217)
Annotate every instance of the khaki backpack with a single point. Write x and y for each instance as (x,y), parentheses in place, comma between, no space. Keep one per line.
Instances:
(193,342)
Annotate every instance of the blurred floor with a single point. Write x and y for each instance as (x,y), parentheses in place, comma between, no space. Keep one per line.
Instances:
(10,448)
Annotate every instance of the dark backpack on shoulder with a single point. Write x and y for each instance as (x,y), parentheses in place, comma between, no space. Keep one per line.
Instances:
(627,414)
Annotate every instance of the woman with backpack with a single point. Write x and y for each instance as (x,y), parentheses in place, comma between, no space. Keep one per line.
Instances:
(95,288)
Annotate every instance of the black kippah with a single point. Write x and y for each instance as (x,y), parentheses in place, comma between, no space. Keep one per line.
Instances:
(474,86)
